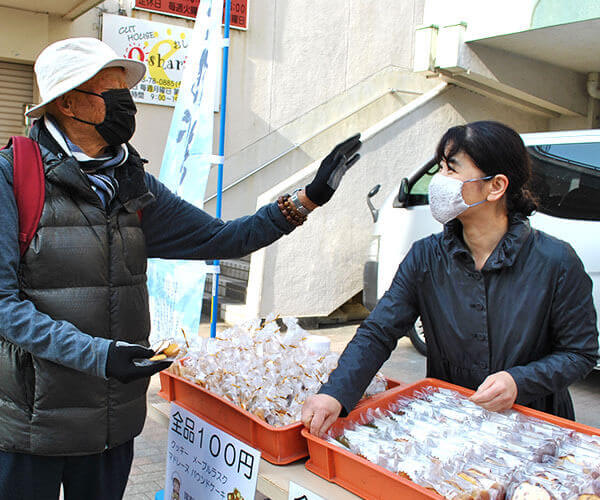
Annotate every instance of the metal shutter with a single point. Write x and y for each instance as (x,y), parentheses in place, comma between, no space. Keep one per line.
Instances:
(16,90)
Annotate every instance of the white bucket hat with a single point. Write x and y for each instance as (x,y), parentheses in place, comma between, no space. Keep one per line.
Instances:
(67,64)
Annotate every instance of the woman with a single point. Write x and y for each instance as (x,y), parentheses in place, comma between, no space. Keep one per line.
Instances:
(506,309)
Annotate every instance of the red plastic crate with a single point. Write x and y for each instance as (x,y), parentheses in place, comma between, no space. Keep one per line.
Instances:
(373,482)
(278,445)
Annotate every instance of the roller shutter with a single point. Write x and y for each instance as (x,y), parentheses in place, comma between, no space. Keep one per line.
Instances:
(16,90)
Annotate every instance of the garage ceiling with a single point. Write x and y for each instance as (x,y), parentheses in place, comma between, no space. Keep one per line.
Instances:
(575,46)
(69,9)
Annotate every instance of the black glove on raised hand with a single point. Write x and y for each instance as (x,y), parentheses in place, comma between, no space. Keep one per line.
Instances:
(120,365)
(332,169)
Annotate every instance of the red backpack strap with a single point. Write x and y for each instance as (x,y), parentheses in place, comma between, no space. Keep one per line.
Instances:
(29,187)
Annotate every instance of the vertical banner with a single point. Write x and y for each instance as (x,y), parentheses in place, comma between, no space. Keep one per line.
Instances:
(176,287)
(205,463)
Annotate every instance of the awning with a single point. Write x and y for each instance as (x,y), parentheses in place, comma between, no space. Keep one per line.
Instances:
(68,9)
(575,46)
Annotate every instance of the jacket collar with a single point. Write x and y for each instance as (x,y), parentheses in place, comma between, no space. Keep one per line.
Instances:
(61,169)
(114,156)
(65,170)
(505,253)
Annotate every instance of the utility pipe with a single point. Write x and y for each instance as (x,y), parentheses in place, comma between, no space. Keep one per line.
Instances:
(216,270)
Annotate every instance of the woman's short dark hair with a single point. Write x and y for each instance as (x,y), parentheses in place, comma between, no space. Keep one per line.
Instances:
(496,149)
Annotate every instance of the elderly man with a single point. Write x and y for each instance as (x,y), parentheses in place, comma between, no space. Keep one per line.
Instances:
(74,306)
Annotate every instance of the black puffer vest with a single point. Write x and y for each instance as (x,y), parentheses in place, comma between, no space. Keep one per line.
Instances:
(86,266)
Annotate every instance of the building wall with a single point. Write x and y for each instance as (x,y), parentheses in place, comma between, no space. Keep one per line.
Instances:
(486,19)
(22,34)
(290,60)
(297,56)
(312,135)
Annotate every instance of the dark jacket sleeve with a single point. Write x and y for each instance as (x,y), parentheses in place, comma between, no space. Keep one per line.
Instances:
(574,334)
(20,322)
(176,229)
(377,336)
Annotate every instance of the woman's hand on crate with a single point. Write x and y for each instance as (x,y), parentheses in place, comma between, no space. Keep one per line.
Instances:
(498,392)
(319,413)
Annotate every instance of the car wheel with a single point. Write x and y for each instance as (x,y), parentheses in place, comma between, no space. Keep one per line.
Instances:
(417,337)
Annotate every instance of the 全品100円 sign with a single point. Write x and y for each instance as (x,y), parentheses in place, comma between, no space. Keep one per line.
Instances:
(205,462)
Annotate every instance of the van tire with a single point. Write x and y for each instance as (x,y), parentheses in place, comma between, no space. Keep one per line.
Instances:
(418,340)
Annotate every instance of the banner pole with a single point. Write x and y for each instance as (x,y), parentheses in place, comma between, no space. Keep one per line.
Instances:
(217,271)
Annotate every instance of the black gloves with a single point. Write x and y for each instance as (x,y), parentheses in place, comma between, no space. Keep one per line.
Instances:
(120,365)
(332,169)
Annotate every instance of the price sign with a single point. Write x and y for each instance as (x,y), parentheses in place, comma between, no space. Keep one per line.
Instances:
(297,492)
(205,463)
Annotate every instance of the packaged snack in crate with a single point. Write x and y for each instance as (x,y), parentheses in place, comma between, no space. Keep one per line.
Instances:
(447,444)
(262,370)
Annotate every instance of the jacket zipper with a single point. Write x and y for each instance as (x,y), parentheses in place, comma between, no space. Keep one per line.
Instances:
(109,277)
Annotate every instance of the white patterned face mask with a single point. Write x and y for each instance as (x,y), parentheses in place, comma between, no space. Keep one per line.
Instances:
(445,197)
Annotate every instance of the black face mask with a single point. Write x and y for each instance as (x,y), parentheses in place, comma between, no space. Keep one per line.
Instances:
(119,121)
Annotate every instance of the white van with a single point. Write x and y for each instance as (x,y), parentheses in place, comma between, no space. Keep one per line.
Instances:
(566,181)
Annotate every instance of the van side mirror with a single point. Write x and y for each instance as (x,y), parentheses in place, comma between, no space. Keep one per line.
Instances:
(402,194)
(374,211)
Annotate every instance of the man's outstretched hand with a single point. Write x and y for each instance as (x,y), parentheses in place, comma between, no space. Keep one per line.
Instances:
(332,169)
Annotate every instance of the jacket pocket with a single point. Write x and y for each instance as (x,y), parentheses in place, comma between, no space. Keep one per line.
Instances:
(132,245)
(17,376)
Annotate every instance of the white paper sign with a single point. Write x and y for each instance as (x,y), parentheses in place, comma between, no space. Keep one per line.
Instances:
(205,463)
(161,47)
(297,492)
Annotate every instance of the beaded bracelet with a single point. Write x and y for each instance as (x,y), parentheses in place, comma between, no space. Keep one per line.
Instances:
(289,211)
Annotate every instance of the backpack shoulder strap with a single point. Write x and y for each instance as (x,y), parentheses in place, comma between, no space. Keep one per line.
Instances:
(28,186)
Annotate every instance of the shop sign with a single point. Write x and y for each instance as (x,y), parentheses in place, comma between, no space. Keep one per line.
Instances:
(205,462)
(189,8)
(161,47)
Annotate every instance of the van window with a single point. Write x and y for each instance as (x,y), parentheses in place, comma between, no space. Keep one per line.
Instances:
(566,179)
(418,193)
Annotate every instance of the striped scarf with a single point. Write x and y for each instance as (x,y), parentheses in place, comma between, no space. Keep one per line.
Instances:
(99,171)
